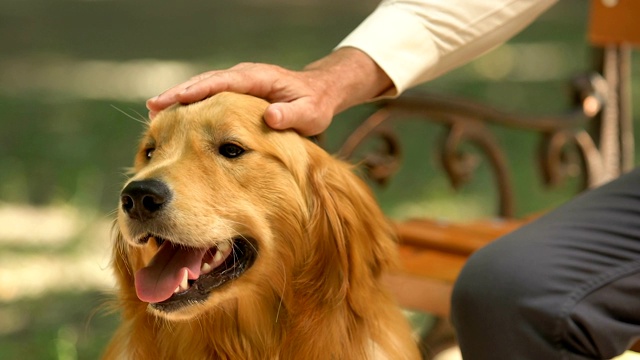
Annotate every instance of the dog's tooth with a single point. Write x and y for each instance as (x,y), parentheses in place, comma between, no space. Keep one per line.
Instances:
(184,285)
(177,290)
(223,247)
(205,268)
(217,257)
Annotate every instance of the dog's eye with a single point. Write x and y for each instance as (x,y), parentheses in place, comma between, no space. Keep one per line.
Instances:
(149,153)
(230,150)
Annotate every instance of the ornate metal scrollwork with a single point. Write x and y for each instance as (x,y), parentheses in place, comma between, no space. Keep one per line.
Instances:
(558,163)
(562,137)
(382,163)
(461,166)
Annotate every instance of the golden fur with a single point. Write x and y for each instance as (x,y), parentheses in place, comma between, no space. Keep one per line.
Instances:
(314,290)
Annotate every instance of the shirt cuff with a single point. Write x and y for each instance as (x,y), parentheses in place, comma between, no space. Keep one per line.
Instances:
(398,42)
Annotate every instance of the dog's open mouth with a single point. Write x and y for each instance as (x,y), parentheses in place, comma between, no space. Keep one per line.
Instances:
(178,276)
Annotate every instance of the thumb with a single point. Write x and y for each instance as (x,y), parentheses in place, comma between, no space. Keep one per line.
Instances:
(274,118)
(295,115)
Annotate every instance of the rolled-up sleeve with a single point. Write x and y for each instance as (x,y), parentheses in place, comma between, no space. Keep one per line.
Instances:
(414,41)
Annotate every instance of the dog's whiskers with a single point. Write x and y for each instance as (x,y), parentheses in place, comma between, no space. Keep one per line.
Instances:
(231,230)
(238,234)
(200,319)
(284,286)
(163,324)
(235,256)
(112,214)
(142,120)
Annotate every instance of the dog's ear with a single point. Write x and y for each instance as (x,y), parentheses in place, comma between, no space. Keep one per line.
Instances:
(346,219)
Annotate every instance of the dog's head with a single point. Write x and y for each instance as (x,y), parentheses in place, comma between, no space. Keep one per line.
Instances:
(223,211)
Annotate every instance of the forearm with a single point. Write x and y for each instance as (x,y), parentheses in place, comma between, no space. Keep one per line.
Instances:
(417,40)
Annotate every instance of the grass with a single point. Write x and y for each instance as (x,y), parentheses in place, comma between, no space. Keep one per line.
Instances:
(58,325)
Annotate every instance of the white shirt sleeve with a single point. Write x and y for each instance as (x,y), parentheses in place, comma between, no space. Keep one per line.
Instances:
(414,41)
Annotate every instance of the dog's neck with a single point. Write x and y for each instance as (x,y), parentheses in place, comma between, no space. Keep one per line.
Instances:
(237,332)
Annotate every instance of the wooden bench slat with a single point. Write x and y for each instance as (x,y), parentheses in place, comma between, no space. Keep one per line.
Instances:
(419,293)
(432,255)
(461,239)
(432,264)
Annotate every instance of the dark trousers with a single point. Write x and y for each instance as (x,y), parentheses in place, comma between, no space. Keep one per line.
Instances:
(566,286)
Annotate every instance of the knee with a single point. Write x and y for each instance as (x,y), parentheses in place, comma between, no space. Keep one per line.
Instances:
(490,299)
(495,283)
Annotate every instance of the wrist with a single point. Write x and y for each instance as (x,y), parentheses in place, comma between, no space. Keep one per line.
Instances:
(348,77)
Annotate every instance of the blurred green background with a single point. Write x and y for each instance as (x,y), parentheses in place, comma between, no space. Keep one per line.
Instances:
(73,74)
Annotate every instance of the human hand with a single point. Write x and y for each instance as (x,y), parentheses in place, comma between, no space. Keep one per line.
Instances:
(305,101)
(298,99)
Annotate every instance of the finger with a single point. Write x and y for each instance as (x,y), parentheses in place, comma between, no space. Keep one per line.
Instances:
(169,96)
(256,80)
(298,115)
(273,117)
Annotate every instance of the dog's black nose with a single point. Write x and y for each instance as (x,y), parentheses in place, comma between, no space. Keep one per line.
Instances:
(141,200)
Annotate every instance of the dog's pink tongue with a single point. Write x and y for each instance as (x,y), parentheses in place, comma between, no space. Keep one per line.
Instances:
(158,281)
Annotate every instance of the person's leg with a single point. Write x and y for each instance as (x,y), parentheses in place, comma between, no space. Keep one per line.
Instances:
(566,286)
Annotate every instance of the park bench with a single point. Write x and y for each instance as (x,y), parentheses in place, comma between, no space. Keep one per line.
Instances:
(594,136)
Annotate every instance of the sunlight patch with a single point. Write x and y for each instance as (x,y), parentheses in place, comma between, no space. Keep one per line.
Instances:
(131,80)
(52,249)
(459,208)
(28,225)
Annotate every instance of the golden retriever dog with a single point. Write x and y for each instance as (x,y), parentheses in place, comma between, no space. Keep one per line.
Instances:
(235,241)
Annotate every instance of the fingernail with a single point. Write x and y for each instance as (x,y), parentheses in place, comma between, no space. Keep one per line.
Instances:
(276,117)
(278,114)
